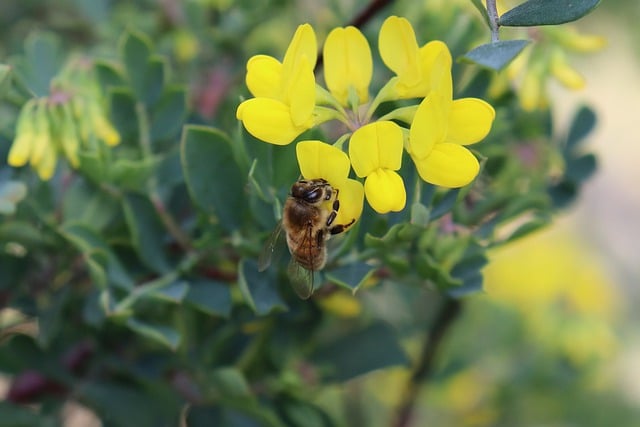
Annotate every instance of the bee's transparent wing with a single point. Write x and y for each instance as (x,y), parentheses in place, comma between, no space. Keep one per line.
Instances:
(301,279)
(271,246)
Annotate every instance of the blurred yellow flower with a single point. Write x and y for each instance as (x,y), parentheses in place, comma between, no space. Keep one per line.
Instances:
(320,160)
(376,153)
(348,65)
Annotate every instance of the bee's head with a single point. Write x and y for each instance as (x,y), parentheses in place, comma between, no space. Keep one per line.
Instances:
(312,191)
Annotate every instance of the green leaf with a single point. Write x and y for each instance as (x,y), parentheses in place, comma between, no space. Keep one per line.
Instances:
(146,73)
(359,352)
(444,204)
(51,318)
(88,242)
(24,233)
(43,60)
(175,292)
(92,166)
(18,416)
(528,228)
(214,180)
(11,193)
(210,296)
(122,106)
(579,169)
(420,214)
(168,115)
(162,334)
(350,276)
(230,383)
(547,12)
(108,75)
(5,79)
(483,11)
(88,205)
(146,231)
(496,55)
(259,289)
(583,123)
(133,174)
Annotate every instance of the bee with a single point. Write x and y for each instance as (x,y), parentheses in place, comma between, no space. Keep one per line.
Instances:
(308,223)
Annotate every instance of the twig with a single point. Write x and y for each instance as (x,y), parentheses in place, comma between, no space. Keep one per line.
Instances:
(449,312)
(492,12)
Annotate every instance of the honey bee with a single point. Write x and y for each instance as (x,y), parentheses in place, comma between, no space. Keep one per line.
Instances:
(308,223)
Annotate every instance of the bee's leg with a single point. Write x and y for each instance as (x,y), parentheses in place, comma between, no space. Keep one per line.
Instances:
(339,228)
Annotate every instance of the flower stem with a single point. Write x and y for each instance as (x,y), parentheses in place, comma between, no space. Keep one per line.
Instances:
(449,312)
(492,12)
(154,195)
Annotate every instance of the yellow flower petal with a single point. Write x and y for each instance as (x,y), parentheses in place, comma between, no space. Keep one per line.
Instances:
(435,60)
(469,121)
(385,191)
(531,96)
(351,198)
(46,165)
(429,126)
(565,74)
(303,45)
(347,63)
(269,120)
(399,50)
(376,145)
(264,76)
(301,94)
(318,159)
(20,150)
(448,165)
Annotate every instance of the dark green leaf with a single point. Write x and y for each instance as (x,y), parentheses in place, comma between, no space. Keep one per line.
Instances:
(357,353)
(350,276)
(146,73)
(483,10)
(581,168)
(88,205)
(92,166)
(258,288)
(43,60)
(175,292)
(146,231)
(214,179)
(133,174)
(11,193)
(168,115)
(583,123)
(496,55)
(51,319)
(444,204)
(24,233)
(528,228)
(108,75)
(547,12)
(122,106)
(162,334)
(563,193)
(210,296)
(230,383)
(18,416)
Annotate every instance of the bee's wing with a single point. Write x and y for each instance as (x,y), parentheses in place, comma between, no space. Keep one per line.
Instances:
(267,254)
(301,279)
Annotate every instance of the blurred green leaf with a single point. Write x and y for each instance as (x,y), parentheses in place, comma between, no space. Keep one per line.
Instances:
(146,231)
(86,204)
(43,60)
(51,317)
(18,416)
(5,79)
(350,276)
(109,75)
(298,412)
(230,383)
(563,193)
(146,73)
(88,241)
(11,193)
(359,352)
(259,289)
(24,233)
(444,203)
(175,292)
(168,114)
(583,123)
(215,182)
(468,271)
(92,166)
(496,55)
(210,296)
(482,9)
(122,106)
(420,214)
(581,168)
(132,174)
(528,228)
(547,12)
(162,334)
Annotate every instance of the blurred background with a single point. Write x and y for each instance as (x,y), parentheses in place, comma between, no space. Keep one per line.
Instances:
(554,340)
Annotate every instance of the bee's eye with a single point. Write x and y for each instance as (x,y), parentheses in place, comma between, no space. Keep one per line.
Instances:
(313,195)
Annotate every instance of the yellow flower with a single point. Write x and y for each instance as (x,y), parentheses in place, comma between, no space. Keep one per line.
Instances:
(413,65)
(285,93)
(376,153)
(320,160)
(347,64)
(439,131)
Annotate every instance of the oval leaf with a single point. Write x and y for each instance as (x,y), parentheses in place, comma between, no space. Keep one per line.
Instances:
(547,12)
(214,179)
(496,55)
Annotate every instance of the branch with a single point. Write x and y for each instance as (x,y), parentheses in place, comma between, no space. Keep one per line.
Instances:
(449,312)
(492,12)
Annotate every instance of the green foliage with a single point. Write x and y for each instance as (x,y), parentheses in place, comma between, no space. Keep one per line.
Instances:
(131,277)
(547,12)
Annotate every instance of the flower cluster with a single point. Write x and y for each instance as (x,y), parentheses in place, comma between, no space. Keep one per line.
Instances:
(65,122)
(288,101)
